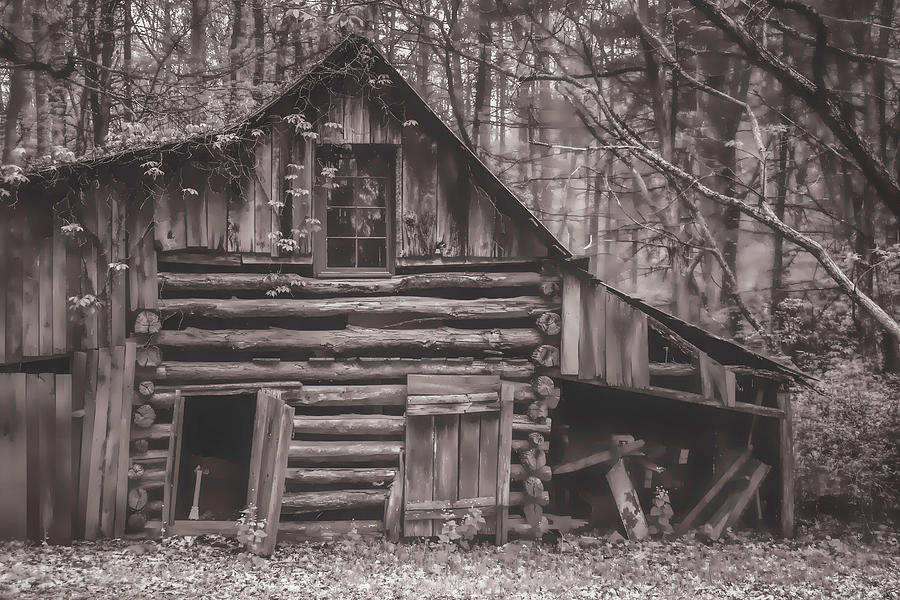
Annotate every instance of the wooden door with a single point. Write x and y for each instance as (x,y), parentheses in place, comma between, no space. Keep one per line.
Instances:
(273,425)
(458,445)
(273,428)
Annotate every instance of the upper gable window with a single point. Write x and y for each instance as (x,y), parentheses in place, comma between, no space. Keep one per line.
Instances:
(354,198)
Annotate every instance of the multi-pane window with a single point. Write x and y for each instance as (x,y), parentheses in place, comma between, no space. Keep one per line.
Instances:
(354,187)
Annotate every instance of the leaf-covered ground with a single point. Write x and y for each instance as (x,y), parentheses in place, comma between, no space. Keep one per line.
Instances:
(743,567)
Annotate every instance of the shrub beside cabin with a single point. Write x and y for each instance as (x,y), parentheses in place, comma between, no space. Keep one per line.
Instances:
(336,313)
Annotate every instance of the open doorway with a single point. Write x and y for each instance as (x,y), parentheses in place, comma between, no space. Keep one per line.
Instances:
(216,438)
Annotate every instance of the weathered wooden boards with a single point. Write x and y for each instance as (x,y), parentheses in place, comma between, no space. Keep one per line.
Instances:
(458,443)
(41,273)
(107,382)
(64,443)
(602,336)
(605,338)
(273,428)
(35,431)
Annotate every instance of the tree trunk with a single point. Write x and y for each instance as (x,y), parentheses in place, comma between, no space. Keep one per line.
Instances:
(482,114)
(18,94)
(259,48)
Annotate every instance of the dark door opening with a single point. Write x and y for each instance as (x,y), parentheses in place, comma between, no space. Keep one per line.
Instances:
(216,435)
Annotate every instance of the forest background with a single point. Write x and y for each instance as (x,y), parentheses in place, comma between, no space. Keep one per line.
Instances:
(732,161)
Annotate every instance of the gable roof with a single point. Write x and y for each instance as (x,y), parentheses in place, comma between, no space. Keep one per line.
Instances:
(344,53)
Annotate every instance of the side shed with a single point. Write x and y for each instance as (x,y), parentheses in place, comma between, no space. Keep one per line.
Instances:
(335,313)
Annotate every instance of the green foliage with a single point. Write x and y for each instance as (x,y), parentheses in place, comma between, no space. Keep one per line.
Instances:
(812,335)
(251,531)
(659,519)
(461,532)
(847,438)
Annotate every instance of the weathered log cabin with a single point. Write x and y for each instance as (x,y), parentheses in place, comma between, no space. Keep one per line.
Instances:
(334,312)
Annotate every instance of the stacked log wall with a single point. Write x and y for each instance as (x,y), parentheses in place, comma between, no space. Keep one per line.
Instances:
(340,352)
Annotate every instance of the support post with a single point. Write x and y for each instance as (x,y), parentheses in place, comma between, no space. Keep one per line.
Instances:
(786,463)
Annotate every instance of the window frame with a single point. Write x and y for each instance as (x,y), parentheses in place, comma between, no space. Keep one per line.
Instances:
(319,200)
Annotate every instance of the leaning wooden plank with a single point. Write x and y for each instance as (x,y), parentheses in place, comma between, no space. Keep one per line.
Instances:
(96,467)
(34,390)
(305,531)
(722,477)
(414,306)
(341,475)
(171,463)
(393,506)
(571,325)
(349,424)
(48,439)
(276,499)
(337,370)
(86,386)
(504,448)
(260,420)
(124,437)
(64,484)
(419,473)
(13,449)
(338,452)
(597,458)
(311,287)
(353,340)
(304,502)
(626,499)
(113,444)
(736,503)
